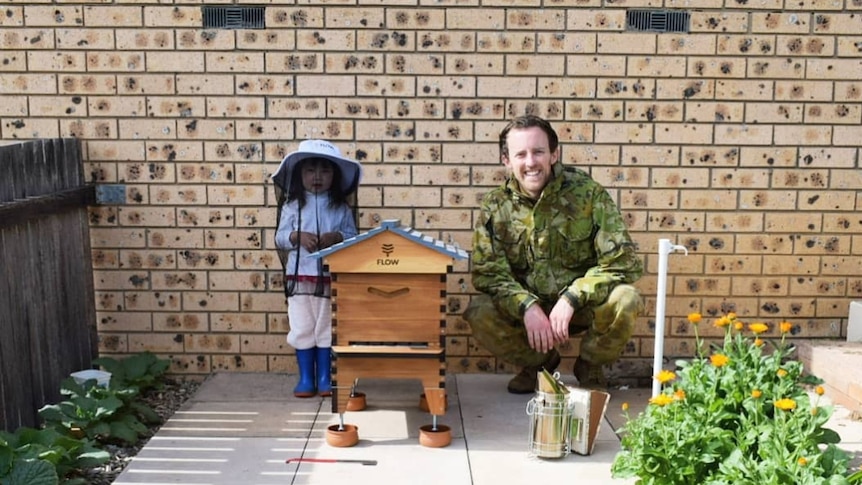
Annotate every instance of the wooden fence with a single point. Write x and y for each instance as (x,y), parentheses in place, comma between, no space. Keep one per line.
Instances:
(47,306)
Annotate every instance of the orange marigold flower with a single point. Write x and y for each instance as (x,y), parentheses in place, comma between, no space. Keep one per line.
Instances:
(722,322)
(695,318)
(785,404)
(819,390)
(785,327)
(625,406)
(665,376)
(781,372)
(756,393)
(661,400)
(731,315)
(737,325)
(679,394)
(802,461)
(758,342)
(758,328)
(719,360)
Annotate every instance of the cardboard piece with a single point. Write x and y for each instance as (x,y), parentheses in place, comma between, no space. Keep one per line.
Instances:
(588,412)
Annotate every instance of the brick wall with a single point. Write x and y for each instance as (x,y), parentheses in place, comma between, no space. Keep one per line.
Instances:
(739,140)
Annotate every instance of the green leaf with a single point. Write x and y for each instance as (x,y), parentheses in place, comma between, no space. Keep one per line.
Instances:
(123,432)
(32,472)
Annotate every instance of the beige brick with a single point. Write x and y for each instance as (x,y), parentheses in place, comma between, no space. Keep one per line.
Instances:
(147,217)
(828,244)
(837,23)
(395,40)
(843,113)
(213,84)
(803,90)
(780,22)
(760,286)
(175,17)
(261,260)
(110,61)
(237,280)
(597,19)
(675,88)
(803,135)
(443,130)
(378,130)
(805,45)
(411,197)
(704,111)
(238,322)
(693,285)
(711,21)
(195,216)
(845,179)
(427,175)
(299,16)
(385,86)
(177,194)
(742,90)
(592,65)
(475,109)
(57,106)
(180,322)
(565,43)
(354,18)
(84,39)
(112,16)
(271,39)
(151,84)
(717,67)
(353,64)
(493,19)
(123,322)
(771,157)
(801,222)
(32,128)
(151,259)
(765,243)
(30,84)
(272,301)
(629,44)
(56,61)
(236,107)
(591,155)
(734,222)
(174,61)
(176,238)
(848,47)
(595,110)
(688,133)
(104,259)
(659,199)
(151,300)
(329,129)
(748,45)
(795,178)
(773,112)
(712,200)
(813,286)
(542,65)
(752,134)
(650,155)
(504,41)
(210,301)
(676,178)
(236,238)
(790,265)
(52,16)
(421,64)
(13,16)
(541,19)
(250,173)
(235,195)
(678,45)
(13,61)
(293,62)
(832,307)
(100,129)
(767,200)
(233,152)
(32,39)
(121,280)
(115,106)
(776,68)
(172,151)
(264,344)
(675,221)
(188,258)
(112,342)
(153,39)
(178,280)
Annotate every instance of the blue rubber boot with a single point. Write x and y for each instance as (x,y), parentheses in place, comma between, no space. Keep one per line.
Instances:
(324,371)
(305,387)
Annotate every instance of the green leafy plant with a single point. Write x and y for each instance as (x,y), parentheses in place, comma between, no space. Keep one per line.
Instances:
(142,371)
(44,456)
(743,414)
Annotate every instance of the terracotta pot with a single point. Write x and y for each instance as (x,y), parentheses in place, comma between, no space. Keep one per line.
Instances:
(435,439)
(344,438)
(423,403)
(356,401)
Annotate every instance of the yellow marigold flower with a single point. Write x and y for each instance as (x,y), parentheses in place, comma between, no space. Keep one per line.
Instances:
(758,342)
(756,393)
(731,316)
(694,318)
(625,406)
(781,372)
(679,394)
(785,326)
(758,328)
(665,376)
(819,390)
(814,411)
(785,404)
(719,360)
(722,322)
(661,400)
(802,461)
(738,325)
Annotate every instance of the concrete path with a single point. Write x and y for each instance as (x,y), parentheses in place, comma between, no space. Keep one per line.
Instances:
(241,429)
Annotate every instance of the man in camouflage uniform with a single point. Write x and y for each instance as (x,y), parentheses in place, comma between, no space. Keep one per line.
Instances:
(552,257)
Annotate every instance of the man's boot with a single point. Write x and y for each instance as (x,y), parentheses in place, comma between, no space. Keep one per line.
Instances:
(324,371)
(306,386)
(525,381)
(589,375)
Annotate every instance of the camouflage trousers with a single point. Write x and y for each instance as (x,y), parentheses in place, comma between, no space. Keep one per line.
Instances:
(607,328)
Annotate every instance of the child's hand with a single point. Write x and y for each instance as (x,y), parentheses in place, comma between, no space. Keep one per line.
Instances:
(308,241)
(329,238)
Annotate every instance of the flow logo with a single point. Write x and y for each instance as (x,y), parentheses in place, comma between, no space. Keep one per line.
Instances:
(387,250)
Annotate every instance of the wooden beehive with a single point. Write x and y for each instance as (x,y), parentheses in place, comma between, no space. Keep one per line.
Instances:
(389,308)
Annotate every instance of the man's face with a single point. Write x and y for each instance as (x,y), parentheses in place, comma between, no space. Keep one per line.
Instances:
(530,159)
(316,175)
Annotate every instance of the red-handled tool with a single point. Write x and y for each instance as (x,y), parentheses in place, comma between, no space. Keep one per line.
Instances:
(330,460)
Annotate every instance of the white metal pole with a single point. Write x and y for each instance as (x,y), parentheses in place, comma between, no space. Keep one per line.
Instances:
(664,249)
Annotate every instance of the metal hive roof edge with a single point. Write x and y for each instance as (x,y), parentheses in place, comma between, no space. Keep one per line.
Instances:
(394,225)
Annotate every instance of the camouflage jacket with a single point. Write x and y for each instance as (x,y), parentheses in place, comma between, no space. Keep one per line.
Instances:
(570,243)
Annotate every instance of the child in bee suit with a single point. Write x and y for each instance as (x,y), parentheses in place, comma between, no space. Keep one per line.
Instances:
(317,180)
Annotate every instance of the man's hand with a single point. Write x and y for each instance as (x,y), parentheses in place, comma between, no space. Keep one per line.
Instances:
(539,332)
(560,317)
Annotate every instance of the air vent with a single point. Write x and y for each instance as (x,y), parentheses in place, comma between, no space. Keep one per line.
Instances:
(234,17)
(657,20)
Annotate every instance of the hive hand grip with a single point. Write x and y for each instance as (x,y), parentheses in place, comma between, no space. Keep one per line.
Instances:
(388,294)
